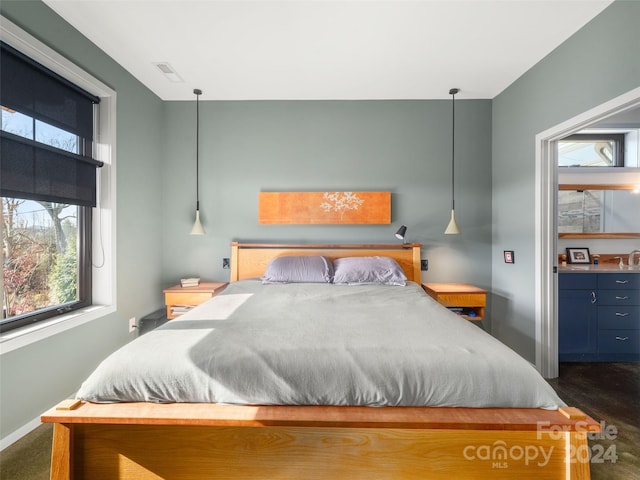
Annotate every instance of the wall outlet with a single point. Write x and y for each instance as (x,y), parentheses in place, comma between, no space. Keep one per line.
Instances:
(424,265)
(226,263)
(132,324)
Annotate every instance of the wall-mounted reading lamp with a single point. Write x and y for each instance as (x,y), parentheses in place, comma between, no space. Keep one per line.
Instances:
(402,233)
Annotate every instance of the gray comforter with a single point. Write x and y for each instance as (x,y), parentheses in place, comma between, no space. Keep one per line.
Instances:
(320,344)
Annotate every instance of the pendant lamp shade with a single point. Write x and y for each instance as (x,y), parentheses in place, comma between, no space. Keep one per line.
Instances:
(197,225)
(452,228)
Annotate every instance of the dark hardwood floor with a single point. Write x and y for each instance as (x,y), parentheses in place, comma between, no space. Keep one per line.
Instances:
(608,392)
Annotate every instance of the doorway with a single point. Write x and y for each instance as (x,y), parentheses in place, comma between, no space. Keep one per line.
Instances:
(546,186)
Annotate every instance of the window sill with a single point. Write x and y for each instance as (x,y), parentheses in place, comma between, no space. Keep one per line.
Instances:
(22,337)
(599,170)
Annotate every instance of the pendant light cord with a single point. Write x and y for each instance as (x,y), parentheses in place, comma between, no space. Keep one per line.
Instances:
(453,92)
(198,93)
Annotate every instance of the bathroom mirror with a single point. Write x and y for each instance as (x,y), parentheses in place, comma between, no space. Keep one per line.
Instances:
(598,211)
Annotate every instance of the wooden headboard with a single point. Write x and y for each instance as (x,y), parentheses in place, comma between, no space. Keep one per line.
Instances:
(250,260)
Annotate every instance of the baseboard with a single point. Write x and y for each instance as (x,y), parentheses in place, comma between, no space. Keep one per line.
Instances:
(16,435)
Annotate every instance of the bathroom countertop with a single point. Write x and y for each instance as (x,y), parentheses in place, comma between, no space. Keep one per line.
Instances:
(601,268)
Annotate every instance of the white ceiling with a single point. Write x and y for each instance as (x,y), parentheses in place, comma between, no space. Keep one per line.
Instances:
(328,49)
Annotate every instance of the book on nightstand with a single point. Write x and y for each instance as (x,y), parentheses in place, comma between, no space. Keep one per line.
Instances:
(189,282)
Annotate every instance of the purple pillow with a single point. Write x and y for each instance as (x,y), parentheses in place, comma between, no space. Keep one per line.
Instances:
(299,269)
(368,270)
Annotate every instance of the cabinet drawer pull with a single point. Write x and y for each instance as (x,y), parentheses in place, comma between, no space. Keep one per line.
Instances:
(622,339)
(594,299)
(622,314)
(622,281)
(622,298)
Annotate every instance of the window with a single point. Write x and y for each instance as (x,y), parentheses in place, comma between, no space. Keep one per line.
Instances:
(591,150)
(48,190)
(43,270)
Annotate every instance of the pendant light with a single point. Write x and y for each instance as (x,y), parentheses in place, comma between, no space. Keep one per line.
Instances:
(197,226)
(452,228)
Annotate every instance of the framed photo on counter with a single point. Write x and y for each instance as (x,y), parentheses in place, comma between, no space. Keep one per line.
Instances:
(578,255)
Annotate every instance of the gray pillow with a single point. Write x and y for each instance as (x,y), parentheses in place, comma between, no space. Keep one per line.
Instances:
(368,270)
(299,269)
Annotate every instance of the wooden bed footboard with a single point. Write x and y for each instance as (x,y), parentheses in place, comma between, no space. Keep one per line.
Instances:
(209,441)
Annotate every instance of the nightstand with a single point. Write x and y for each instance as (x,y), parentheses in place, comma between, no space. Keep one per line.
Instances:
(462,298)
(180,300)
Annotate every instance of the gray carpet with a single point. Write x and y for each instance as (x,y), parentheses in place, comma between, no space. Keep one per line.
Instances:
(609,392)
(29,458)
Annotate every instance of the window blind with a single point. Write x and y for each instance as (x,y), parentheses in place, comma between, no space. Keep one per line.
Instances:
(34,170)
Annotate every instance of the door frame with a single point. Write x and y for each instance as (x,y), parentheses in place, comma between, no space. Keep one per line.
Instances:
(546,235)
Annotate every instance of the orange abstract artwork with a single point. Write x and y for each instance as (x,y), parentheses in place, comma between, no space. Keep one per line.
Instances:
(324,208)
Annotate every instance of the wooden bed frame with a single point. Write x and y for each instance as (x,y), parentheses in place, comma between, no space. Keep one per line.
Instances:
(212,441)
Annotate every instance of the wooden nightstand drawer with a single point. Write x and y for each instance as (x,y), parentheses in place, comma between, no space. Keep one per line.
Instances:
(469,300)
(463,299)
(181,299)
(186,298)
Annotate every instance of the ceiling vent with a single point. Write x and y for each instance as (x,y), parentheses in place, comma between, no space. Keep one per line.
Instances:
(168,71)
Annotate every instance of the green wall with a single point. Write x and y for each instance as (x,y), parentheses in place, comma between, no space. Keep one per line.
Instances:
(398,146)
(598,63)
(36,377)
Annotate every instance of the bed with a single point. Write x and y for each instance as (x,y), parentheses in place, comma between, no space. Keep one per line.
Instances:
(223,426)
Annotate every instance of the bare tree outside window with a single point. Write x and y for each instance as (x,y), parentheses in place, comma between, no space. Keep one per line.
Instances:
(39,243)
